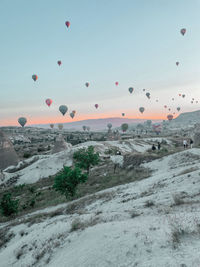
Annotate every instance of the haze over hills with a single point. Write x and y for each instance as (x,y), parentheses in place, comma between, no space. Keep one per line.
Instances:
(97,124)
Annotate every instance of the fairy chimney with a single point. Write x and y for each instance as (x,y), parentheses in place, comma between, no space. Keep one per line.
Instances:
(60,145)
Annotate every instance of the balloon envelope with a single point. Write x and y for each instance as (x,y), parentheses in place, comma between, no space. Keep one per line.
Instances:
(67,23)
(63,109)
(96,105)
(141,109)
(130,90)
(87,84)
(48,102)
(22,121)
(109,125)
(148,95)
(170,117)
(116,83)
(183,31)
(72,115)
(34,77)
(59,62)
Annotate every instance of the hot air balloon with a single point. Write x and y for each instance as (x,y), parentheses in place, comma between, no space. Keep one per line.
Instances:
(22,121)
(141,109)
(130,90)
(87,84)
(34,77)
(123,114)
(178,108)
(63,109)
(196,102)
(193,99)
(148,95)
(144,90)
(170,117)
(67,23)
(172,99)
(48,102)
(84,127)
(88,128)
(177,63)
(60,126)
(124,127)
(165,106)
(109,125)
(183,31)
(96,105)
(169,109)
(72,115)
(156,100)
(179,94)
(51,125)
(183,96)
(59,62)
(191,102)
(116,83)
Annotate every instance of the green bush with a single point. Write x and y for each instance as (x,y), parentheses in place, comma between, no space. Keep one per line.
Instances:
(68,179)
(8,206)
(86,158)
(26,155)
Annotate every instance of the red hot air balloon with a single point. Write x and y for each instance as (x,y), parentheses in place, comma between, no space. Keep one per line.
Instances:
(67,23)
(116,83)
(48,102)
(165,106)
(87,84)
(183,31)
(59,62)
(96,105)
(170,117)
(177,63)
(34,77)
(179,94)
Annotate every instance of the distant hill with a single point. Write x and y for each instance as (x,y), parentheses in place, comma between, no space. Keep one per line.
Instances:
(188,118)
(96,124)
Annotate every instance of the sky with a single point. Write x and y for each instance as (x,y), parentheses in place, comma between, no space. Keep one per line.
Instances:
(134,42)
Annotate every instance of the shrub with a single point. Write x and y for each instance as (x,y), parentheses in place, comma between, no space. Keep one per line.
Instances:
(86,158)
(26,155)
(68,179)
(31,189)
(8,206)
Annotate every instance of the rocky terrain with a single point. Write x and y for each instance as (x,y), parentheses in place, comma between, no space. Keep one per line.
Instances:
(152,221)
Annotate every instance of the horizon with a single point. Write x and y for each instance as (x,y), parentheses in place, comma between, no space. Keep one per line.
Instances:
(136,44)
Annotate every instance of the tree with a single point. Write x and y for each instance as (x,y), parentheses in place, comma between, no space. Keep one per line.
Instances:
(68,179)
(124,127)
(8,206)
(86,158)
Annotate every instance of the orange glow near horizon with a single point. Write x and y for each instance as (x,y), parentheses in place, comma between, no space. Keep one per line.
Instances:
(67,119)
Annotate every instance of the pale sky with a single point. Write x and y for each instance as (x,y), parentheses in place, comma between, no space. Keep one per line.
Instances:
(134,42)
